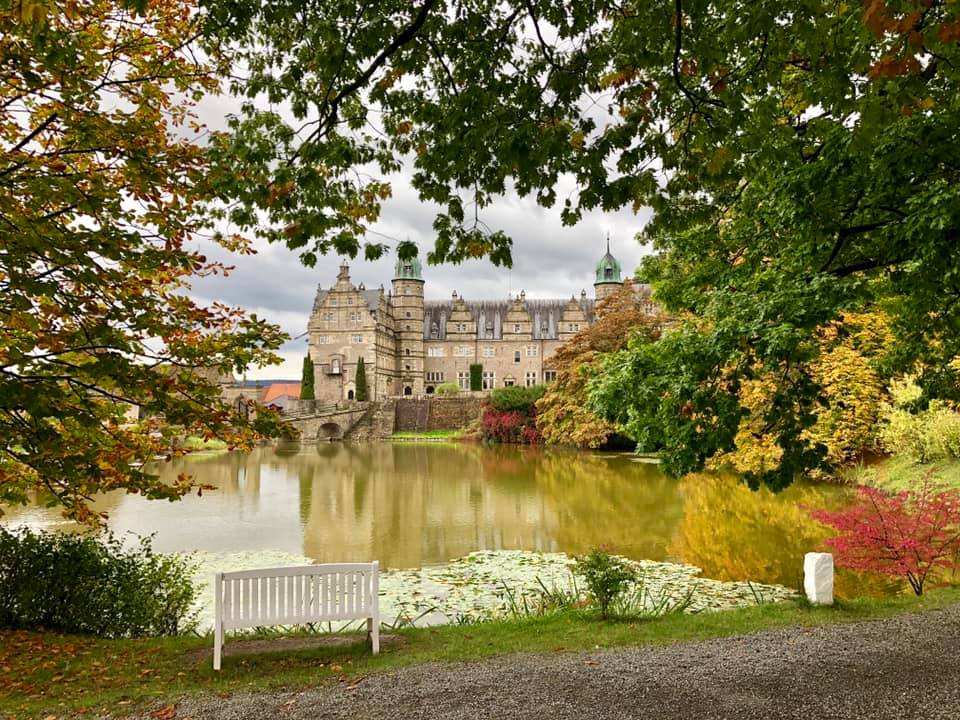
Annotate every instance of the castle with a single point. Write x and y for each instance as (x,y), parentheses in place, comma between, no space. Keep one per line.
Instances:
(410,345)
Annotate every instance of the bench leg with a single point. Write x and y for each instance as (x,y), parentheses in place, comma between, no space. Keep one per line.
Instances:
(373,632)
(217,645)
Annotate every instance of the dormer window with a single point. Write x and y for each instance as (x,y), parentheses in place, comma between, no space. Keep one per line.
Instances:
(608,273)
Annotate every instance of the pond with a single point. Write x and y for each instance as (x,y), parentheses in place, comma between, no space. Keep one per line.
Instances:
(414,505)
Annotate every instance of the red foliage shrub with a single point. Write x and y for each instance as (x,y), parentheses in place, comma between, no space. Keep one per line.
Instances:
(911,534)
(509,427)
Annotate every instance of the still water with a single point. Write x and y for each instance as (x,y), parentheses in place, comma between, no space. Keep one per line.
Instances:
(415,504)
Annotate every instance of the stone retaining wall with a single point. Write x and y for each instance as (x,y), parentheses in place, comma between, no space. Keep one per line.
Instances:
(436,413)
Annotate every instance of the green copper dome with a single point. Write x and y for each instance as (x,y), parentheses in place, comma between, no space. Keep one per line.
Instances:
(410,269)
(608,269)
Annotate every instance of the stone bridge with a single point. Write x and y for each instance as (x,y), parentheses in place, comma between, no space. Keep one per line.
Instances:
(326,420)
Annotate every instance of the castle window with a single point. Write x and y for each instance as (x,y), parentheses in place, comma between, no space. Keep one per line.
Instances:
(463,351)
(323,339)
(549,375)
(406,367)
(508,381)
(489,379)
(356,338)
(573,327)
(434,331)
(489,351)
(531,379)
(532,350)
(609,273)
(435,352)
(406,351)
(435,377)
(350,301)
(516,356)
(408,390)
(408,313)
(406,327)
(516,327)
(463,380)
(333,302)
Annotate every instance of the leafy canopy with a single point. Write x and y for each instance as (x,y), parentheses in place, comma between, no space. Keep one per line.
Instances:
(101,173)
(799,157)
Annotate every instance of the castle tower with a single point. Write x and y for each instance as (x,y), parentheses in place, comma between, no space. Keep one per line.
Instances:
(408,317)
(609,277)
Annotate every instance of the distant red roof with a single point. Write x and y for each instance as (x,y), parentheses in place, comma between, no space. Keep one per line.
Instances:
(280,389)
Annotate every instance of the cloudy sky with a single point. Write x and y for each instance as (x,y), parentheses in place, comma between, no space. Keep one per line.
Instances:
(549,260)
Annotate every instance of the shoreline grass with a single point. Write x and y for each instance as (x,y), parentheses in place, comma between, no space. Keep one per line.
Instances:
(43,673)
(898,473)
(193,442)
(427,436)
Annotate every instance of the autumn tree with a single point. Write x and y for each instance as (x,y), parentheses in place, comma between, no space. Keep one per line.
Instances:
(913,535)
(101,173)
(848,410)
(563,417)
(799,158)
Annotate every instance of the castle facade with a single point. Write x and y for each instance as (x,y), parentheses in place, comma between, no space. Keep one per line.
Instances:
(411,345)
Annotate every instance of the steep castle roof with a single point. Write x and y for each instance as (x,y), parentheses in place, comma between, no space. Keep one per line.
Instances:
(490,316)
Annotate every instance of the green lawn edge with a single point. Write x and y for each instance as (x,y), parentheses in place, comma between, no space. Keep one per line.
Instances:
(48,673)
(429,435)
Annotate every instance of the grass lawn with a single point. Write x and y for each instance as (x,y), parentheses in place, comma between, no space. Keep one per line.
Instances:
(428,435)
(900,473)
(44,674)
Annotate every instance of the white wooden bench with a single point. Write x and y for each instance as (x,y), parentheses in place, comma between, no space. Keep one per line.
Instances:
(296,596)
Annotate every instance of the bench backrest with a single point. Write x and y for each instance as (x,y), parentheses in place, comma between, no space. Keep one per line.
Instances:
(296,595)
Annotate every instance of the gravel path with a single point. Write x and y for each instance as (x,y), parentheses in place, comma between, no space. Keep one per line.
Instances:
(902,667)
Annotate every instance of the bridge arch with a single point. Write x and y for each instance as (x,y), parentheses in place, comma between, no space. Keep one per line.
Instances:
(329,431)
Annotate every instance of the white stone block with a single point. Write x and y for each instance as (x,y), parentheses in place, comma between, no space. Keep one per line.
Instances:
(818,578)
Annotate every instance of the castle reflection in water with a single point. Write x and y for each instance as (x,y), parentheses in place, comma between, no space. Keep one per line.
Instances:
(414,504)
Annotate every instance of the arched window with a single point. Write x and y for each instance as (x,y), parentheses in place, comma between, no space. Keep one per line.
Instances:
(429,389)
(407,351)
(349,394)
(408,390)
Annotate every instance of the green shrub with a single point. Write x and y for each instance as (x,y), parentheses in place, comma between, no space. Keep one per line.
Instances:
(93,584)
(923,436)
(606,576)
(476,377)
(362,391)
(516,398)
(307,380)
(448,389)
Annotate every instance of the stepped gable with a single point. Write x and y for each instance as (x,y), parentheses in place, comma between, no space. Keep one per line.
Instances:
(490,315)
(372,297)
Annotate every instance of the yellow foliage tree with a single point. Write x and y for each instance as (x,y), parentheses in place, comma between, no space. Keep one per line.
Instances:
(852,397)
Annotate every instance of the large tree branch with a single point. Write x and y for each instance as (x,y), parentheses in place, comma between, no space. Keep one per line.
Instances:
(401,39)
